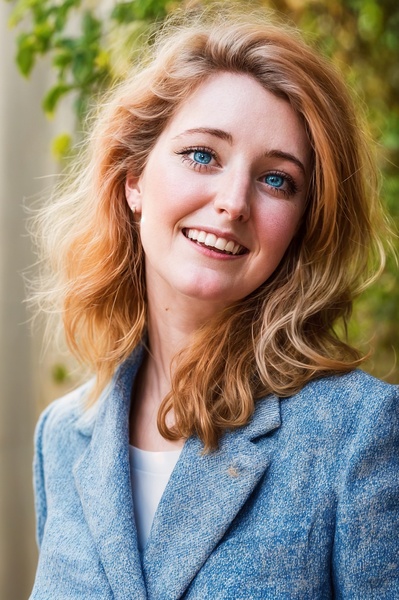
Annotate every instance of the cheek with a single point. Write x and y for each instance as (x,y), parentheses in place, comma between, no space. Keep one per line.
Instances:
(278,226)
(169,196)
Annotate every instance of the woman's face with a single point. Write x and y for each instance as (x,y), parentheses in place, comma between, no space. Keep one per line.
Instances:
(222,193)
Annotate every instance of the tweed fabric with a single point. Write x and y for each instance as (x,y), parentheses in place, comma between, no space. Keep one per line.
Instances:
(300,504)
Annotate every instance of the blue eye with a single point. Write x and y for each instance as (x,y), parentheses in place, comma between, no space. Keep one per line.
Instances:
(276,181)
(204,158)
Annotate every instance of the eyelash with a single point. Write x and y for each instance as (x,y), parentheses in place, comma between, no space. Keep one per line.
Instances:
(194,164)
(292,187)
(290,182)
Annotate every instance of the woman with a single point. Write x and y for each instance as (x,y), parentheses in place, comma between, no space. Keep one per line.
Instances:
(221,227)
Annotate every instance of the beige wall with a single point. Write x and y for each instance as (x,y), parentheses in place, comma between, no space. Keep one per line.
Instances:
(24,161)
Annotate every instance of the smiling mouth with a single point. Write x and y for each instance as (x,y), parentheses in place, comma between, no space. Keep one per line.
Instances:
(215,243)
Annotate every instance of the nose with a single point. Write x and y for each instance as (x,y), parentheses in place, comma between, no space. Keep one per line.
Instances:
(234,197)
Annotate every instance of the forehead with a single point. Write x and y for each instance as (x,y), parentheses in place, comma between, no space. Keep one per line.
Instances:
(240,105)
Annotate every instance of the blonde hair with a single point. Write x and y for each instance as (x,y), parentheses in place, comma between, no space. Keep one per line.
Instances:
(282,335)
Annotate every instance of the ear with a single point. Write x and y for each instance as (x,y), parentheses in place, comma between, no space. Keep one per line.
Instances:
(133,193)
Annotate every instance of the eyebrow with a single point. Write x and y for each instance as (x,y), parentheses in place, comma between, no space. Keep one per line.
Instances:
(219,133)
(225,135)
(286,156)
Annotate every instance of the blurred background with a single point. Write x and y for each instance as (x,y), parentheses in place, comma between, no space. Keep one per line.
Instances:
(55,59)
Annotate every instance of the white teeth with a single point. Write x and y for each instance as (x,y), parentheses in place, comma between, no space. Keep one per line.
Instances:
(210,239)
(221,244)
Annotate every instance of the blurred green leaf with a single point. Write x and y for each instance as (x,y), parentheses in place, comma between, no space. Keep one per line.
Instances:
(144,10)
(91,27)
(82,66)
(123,12)
(52,98)
(62,59)
(59,373)
(26,54)
(61,146)
(370,20)
(19,11)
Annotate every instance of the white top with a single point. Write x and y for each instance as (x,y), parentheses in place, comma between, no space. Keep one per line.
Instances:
(150,472)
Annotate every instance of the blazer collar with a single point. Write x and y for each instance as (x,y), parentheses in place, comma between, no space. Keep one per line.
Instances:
(102,478)
(203,495)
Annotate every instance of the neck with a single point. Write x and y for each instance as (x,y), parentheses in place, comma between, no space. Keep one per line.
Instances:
(171,327)
(172,322)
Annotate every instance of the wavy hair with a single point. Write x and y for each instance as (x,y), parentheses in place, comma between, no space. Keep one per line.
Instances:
(283,334)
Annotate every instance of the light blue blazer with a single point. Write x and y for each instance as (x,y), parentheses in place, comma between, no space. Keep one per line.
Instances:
(301,503)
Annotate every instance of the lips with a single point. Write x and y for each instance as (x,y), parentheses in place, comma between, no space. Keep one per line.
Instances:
(210,240)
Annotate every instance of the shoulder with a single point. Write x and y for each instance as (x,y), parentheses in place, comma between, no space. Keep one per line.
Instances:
(63,416)
(72,415)
(55,446)
(343,408)
(357,384)
(348,393)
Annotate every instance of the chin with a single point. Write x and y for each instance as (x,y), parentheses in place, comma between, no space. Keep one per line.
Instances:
(212,295)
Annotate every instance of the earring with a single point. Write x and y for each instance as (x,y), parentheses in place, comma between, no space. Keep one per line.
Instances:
(133,209)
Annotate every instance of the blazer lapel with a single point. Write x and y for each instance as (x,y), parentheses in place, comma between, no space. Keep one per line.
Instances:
(203,496)
(102,479)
